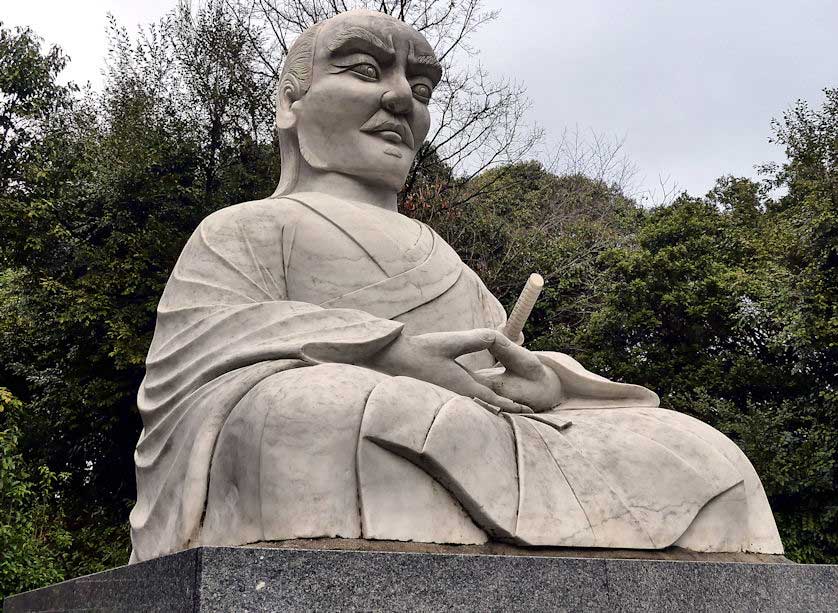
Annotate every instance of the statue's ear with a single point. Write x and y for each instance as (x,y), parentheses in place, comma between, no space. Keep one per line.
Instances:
(286,97)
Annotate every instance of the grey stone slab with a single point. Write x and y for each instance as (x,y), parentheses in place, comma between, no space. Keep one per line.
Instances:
(714,586)
(270,579)
(364,581)
(170,583)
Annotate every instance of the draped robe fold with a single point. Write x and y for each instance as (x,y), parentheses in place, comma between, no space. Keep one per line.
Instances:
(260,425)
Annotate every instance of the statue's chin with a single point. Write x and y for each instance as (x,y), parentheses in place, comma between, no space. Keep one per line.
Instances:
(395,183)
(390,173)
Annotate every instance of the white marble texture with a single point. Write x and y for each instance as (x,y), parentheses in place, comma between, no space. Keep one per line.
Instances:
(323,366)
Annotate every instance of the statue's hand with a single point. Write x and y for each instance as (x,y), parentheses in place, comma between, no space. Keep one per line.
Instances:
(524,379)
(518,341)
(431,357)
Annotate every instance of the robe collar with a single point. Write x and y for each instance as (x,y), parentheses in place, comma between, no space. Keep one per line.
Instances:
(403,290)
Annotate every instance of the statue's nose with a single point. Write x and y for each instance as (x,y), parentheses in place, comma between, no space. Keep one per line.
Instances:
(397,100)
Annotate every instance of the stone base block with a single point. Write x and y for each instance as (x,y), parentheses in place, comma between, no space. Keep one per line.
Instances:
(277,579)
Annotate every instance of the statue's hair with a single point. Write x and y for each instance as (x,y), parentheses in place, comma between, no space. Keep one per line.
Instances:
(295,78)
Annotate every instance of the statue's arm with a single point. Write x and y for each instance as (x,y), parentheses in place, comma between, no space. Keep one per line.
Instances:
(432,358)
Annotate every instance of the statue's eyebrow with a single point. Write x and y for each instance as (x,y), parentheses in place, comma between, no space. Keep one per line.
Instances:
(356,39)
(426,65)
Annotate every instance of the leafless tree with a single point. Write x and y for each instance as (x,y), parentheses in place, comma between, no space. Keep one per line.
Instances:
(602,157)
(663,194)
(479,120)
(596,155)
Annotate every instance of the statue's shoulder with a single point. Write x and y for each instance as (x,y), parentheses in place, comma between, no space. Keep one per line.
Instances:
(267,212)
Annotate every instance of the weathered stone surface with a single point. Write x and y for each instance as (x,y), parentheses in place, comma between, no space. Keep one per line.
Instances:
(273,579)
(323,366)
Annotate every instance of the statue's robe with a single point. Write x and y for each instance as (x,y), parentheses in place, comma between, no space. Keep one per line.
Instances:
(260,425)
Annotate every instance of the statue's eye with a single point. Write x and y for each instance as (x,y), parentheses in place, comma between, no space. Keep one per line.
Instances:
(368,71)
(422,92)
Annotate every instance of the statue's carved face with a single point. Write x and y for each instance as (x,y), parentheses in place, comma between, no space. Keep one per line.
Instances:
(366,111)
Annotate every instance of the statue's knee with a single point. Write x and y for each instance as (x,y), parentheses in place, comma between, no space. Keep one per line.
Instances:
(301,388)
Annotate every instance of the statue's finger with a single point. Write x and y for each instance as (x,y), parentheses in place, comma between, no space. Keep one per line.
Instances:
(496,410)
(516,359)
(486,405)
(454,344)
(475,390)
(490,377)
(520,408)
(504,404)
(483,380)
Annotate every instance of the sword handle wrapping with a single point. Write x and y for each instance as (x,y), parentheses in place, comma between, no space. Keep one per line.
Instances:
(523,307)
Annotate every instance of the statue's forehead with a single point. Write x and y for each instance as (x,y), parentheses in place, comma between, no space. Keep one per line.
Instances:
(388,29)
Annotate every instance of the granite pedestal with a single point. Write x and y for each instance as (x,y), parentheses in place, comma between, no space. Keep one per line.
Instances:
(271,579)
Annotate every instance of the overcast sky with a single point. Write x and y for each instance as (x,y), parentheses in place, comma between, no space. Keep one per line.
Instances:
(691,85)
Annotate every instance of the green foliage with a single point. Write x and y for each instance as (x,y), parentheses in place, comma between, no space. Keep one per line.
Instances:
(726,306)
(696,312)
(521,219)
(33,538)
(89,230)
(28,96)
(806,238)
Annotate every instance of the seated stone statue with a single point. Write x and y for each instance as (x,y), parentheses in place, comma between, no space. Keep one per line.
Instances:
(323,366)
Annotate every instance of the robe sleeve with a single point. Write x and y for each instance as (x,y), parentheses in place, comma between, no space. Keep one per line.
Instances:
(582,389)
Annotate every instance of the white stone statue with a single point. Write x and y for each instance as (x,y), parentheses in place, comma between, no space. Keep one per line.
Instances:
(323,366)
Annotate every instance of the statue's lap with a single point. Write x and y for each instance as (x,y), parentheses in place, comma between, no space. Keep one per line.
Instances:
(339,450)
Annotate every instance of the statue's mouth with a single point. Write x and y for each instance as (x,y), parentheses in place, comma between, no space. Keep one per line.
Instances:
(390,135)
(392,131)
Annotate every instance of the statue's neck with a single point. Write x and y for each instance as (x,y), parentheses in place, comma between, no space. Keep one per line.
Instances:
(345,187)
